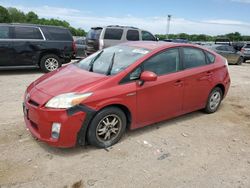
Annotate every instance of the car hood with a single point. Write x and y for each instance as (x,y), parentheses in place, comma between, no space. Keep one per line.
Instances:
(67,79)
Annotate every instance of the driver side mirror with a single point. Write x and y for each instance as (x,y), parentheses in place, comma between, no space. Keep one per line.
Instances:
(148,76)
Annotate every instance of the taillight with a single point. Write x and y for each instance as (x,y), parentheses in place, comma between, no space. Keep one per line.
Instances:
(74,46)
(226,63)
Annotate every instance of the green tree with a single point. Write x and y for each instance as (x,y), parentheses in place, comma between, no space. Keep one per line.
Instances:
(17,16)
(4,15)
(31,17)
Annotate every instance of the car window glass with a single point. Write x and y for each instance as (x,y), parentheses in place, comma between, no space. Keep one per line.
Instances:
(163,63)
(4,32)
(193,57)
(247,46)
(221,48)
(230,48)
(210,57)
(132,35)
(59,34)
(94,33)
(27,33)
(113,34)
(147,36)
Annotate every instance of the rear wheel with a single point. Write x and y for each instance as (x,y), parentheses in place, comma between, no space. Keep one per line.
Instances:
(107,127)
(214,100)
(50,62)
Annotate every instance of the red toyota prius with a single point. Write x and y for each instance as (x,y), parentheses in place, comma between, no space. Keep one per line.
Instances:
(130,85)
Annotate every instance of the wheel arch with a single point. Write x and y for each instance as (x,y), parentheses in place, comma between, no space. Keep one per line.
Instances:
(47,52)
(222,87)
(82,134)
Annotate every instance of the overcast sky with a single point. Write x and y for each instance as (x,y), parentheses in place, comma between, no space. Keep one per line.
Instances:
(194,16)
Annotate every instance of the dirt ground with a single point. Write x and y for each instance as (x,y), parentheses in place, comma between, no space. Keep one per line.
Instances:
(194,150)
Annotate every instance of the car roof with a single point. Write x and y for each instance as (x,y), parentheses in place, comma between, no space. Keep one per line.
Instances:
(153,45)
(30,25)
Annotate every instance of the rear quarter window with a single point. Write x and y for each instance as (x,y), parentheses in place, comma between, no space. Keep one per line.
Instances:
(27,33)
(113,34)
(58,34)
(210,57)
(4,32)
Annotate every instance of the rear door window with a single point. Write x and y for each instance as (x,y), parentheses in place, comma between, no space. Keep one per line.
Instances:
(193,57)
(113,34)
(133,35)
(59,34)
(147,36)
(4,32)
(27,33)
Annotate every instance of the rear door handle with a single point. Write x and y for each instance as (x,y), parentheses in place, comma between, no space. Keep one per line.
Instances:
(178,83)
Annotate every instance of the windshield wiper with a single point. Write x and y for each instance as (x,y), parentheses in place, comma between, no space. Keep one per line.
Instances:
(111,64)
(91,64)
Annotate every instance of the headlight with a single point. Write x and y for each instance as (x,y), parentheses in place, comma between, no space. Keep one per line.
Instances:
(67,100)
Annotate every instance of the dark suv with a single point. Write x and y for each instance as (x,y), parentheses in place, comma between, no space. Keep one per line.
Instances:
(25,45)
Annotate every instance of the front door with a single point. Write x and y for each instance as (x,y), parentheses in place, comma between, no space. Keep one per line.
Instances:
(160,99)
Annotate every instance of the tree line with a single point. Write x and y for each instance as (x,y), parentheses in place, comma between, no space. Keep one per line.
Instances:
(236,36)
(13,15)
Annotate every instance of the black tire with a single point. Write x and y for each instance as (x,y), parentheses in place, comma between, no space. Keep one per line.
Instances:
(240,60)
(47,59)
(212,105)
(98,125)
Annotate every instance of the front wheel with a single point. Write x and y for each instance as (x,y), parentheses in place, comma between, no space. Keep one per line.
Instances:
(214,100)
(50,62)
(107,127)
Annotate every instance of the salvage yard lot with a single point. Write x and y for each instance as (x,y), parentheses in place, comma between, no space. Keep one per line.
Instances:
(194,150)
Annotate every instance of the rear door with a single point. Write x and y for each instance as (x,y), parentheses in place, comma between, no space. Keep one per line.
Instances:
(198,78)
(6,52)
(27,45)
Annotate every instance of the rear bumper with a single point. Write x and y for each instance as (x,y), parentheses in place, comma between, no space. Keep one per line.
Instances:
(39,121)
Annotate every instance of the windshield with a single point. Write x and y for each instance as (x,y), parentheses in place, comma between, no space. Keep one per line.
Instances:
(113,60)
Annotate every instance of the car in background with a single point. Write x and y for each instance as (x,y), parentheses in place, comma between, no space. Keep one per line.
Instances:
(245,50)
(80,47)
(233,56)
(35,46)
(176,40)
(127,86)
(103,37)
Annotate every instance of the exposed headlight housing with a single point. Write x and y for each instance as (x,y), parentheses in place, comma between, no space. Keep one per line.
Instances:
(67,100)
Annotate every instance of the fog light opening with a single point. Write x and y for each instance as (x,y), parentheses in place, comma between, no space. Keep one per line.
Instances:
(55,132)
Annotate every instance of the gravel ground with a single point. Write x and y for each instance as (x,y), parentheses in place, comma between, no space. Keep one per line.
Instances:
(194,150)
